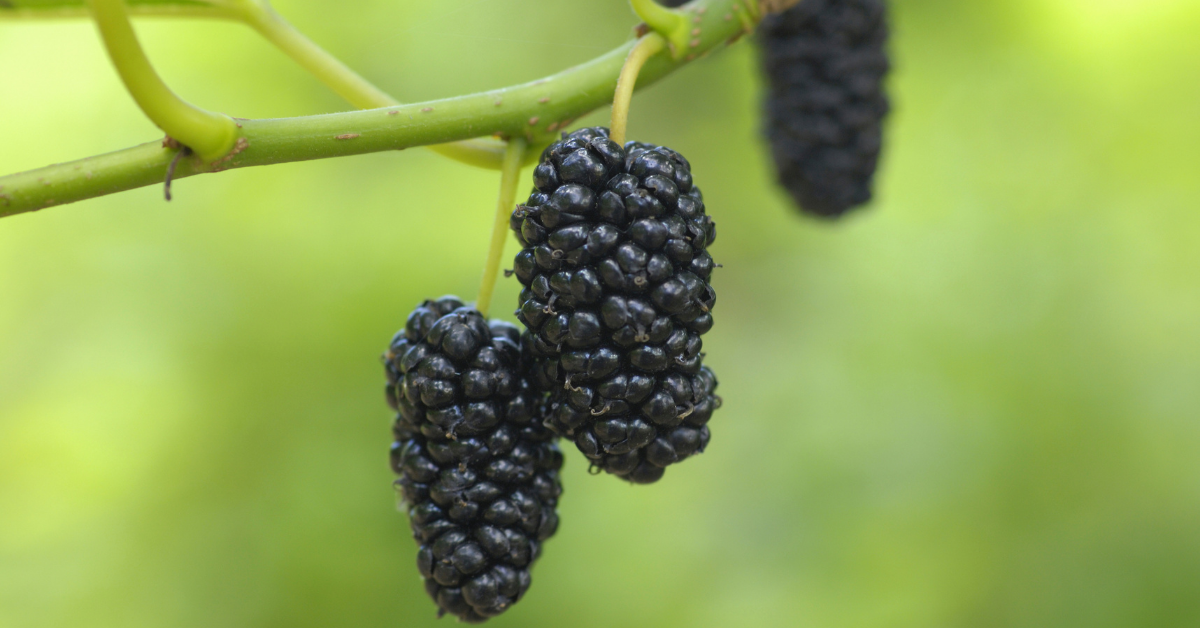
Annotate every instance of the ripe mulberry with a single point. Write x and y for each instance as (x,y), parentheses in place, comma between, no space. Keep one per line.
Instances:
(616,269)
(478,472)
(825,62)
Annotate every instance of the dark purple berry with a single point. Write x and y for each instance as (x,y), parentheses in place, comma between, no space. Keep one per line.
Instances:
(616,269)
(825,63)
(479,474)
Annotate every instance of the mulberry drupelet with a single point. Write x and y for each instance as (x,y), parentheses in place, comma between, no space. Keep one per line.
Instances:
(825,62)
(616,269)
(478,472)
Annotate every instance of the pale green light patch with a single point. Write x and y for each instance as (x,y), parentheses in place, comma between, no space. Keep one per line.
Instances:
(78,455)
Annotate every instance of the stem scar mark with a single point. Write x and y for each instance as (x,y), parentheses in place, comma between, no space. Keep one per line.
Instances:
(241,145)
(347,136)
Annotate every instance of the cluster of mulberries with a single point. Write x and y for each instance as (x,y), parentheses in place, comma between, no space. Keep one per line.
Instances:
(825,62)
(478,471)
(615,270)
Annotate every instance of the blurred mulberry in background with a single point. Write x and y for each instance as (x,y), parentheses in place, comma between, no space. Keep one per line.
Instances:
(825,63)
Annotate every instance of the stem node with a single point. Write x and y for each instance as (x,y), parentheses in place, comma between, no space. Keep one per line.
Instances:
(672,24)
(210,134)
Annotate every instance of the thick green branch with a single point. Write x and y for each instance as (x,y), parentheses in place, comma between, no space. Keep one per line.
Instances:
(534,110)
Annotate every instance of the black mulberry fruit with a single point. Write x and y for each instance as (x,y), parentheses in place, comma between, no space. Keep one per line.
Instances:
(478,471)
(616,269)
(825,63)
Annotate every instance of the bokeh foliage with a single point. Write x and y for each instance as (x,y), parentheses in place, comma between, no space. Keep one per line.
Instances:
(975,404)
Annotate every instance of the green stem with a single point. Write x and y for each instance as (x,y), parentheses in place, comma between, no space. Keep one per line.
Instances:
(351,86)
(534,111)
(209,134)
(672,24)
(510,175)
(481,152)
(646,47)
(339,78)
(136,10)
(51,9)
(135,167)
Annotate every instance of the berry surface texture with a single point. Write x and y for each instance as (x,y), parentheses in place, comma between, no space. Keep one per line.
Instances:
(616,297)
(478,472)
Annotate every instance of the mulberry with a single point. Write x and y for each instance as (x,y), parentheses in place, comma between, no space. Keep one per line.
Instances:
(616,269)
(478,472)
(825,62)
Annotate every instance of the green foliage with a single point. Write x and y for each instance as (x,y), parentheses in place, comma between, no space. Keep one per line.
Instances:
(972,405)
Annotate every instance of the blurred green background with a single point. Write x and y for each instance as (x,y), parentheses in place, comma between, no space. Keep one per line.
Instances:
(975,404)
